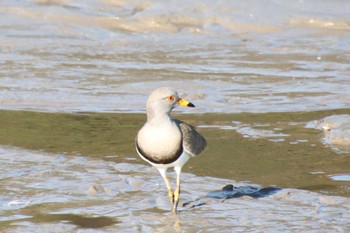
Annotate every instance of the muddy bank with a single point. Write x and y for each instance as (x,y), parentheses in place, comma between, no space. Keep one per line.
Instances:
(267,149)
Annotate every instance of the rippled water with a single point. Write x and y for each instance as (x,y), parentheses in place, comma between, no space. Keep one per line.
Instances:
(82,174)
(226,57)
(229,56)
(58,193)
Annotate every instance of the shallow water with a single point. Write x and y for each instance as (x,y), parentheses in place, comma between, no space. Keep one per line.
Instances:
(82,172)
(78,172)
(59,193)
(229,56)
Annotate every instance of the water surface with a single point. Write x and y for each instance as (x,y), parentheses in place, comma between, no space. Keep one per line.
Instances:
(45,192)
(230,56)
(270,80)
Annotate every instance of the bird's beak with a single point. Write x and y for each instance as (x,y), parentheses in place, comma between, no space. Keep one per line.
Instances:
(183,102)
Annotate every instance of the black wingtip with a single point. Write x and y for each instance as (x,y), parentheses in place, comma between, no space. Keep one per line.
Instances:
(191,105)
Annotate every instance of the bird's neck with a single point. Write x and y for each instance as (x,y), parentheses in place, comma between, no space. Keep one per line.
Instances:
(158,118)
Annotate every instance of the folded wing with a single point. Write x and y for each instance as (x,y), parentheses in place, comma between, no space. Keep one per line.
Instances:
(193,142)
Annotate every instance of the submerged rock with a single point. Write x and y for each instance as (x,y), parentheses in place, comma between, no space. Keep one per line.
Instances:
(230,191)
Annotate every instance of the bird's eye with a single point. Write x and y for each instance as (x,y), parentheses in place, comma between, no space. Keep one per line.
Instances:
(171,98)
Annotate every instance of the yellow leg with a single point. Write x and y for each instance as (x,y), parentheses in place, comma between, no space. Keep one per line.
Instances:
(170,190)
(177,190)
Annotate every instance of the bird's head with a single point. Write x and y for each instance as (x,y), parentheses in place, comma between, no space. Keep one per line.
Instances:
(162,100)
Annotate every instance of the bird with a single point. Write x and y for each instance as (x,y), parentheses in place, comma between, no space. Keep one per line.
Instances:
(165,142)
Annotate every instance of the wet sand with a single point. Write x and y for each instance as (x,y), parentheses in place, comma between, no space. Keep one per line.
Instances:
(292,157)
(46,192)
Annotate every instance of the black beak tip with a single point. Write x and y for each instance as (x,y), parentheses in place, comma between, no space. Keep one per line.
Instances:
(191,105)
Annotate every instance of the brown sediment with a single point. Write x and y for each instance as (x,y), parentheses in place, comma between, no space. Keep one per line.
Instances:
(305,164)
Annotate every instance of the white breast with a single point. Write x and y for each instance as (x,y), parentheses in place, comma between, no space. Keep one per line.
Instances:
(161,140)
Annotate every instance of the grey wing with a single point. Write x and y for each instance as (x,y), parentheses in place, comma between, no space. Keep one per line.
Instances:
(193,142)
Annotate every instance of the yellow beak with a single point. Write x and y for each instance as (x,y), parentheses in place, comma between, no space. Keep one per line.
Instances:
(183,102)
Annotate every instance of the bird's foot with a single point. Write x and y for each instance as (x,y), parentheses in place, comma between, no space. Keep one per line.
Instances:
(176,200)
